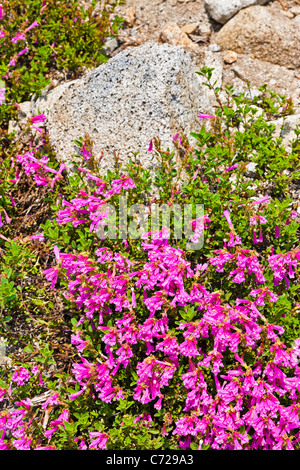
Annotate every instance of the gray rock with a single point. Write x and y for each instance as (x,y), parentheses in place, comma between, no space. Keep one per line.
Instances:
(285,128)
(214,48)
(110,44)
(265,34)
(251,170)
(46,101)
(295,10)
(148,91)
(222,10)
(23,114)
(13,126)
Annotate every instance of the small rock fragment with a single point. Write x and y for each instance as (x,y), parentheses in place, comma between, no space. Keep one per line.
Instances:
(172,34)
(129,16)
(295,10)
(189,28)
(251,170)
(204,29)
(110,45)
(289,14)
(230,57)
(214,48)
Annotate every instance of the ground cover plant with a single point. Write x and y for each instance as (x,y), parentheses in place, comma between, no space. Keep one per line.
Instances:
(137,342)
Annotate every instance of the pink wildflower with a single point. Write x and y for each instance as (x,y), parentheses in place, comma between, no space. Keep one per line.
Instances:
(33,25)
(98,440)
(18,37)
(205,116)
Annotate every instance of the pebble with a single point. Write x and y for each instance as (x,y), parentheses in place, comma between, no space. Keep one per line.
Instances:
(189,28)
(289,14)
(129,16)
(110,45)
(172,34)
(214,48)
(204,29)
(230,57)
(295,10)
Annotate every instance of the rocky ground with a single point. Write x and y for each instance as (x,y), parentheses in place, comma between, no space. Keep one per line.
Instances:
(187,23)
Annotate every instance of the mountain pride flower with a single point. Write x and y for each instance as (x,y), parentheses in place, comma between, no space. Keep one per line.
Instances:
(18,37)
(2,12)
(205,116)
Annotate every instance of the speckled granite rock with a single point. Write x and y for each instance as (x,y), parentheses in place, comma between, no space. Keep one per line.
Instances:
(148,91)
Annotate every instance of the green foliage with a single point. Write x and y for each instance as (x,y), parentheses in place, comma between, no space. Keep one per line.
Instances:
(67,38)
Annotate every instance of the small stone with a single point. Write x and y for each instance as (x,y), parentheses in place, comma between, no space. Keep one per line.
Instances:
(252,93)
(204,29)
(129,16)
(289,14)
(189,28)
(295,10)
(24,111)
(110,45)
(230,57)
(13,126)
(214,48)
(251,170)
(172,34)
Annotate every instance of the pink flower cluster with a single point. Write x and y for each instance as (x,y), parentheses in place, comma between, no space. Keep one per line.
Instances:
(246,262)
(283,265)
(92,208)
(20,36)
(17,422)
(250,402)
(39,169)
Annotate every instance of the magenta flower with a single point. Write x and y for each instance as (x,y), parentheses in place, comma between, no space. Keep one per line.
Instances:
(52,400)
(227,217)
(260,201)
(2,12)
(18,37)
(150,148)
(40,237)
(195,174)
(21,376)
(38,118)
(23,51)
(33,25)
(233,167)
(12,62)
(254,237)
(63,417)
(98,440)
(205,116)
(45,448)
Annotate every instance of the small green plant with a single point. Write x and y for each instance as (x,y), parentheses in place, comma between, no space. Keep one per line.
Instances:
(39,38)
